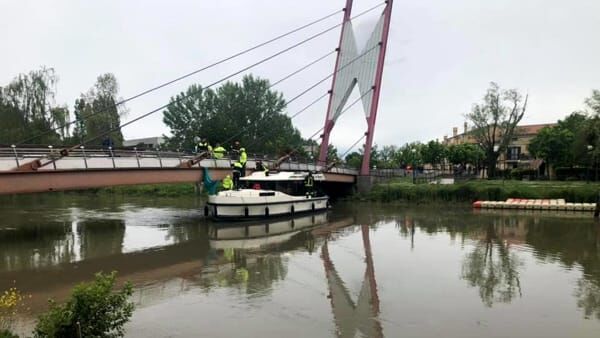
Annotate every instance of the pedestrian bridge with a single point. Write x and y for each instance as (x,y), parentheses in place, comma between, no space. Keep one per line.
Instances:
(29,170)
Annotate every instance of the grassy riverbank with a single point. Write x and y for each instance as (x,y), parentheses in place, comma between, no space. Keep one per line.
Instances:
(404,191)
(156,190)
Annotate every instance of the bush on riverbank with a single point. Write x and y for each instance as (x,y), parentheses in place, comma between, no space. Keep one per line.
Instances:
(11,302)
(483,190)
(7,334)
(94,310)
(156,190)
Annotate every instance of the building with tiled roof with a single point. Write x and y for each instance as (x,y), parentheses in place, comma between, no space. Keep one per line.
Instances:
(517,153)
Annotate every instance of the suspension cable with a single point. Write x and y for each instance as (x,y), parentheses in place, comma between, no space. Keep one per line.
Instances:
(185,96)
(322,128)
(313,86)
(291,117)
(302,68)
(314,36)
(352,146)
(346,109)
(199,70)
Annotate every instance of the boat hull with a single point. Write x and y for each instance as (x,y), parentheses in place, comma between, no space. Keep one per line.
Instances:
(265,207)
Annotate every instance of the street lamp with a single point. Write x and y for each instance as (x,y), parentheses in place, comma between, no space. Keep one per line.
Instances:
(414,160)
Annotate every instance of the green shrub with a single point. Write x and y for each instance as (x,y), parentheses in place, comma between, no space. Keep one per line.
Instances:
(483,190)
(94,310)
(7,334)
(572,174)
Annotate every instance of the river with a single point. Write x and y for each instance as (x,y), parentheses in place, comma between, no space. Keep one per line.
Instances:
(359,270)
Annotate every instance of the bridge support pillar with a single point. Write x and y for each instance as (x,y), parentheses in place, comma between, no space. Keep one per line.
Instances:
(364,183)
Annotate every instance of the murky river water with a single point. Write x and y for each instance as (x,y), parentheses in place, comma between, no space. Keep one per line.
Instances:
(360,270)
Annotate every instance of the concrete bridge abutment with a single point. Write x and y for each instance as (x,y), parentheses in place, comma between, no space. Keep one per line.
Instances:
(364,183)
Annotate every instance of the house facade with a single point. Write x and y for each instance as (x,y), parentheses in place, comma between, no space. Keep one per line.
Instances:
(516,154)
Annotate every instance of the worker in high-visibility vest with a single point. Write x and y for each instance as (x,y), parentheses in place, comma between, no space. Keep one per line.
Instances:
(203,146)
(237,172)
(309,185)
(227,183)
(219,151)
(243,159)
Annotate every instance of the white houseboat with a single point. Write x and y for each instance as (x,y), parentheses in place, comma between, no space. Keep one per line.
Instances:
(275,194)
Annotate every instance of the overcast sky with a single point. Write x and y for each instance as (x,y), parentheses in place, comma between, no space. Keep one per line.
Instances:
(441,54)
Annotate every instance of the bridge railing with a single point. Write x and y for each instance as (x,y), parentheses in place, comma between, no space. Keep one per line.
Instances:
(83,158)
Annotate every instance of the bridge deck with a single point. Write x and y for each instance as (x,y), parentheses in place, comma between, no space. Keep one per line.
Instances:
(98,169)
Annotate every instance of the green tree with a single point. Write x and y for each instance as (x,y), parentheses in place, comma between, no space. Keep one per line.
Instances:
(495,121)
(28,109)
(553,145)
(96,113)
(94,310)
(386,157)
(465,154)
(410,154)
(248,111)
(332,154)
(434,153)
(354,160)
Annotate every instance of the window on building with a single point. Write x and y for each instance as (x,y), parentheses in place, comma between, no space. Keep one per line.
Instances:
(513,153)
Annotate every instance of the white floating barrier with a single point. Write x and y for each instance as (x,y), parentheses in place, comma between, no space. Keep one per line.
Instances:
(535,204)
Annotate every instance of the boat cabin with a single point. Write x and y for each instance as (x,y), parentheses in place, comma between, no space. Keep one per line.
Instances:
(291,183)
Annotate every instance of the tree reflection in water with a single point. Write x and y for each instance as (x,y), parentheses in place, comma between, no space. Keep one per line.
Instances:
(588,297)
(493,269)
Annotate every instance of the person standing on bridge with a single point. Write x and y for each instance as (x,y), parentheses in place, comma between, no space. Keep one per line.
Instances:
(203,146)
(219,151)
(235,150)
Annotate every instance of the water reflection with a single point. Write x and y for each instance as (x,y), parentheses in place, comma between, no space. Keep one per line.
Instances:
(170,251)
(76,234)
(247,256)
(262,234)
(492,268)
(360,317)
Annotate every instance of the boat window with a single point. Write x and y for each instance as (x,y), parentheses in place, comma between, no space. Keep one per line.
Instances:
(270,193)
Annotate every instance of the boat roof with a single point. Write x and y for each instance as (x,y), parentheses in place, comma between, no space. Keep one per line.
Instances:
(281,176)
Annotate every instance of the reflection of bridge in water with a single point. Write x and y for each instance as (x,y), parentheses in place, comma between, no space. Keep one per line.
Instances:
(254,257)
(351,316)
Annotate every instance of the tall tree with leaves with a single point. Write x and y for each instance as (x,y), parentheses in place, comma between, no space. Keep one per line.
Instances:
(495,121)
(553,145)
(433,153)
(96,113)
(248,111)
(28,109)
(354,160)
